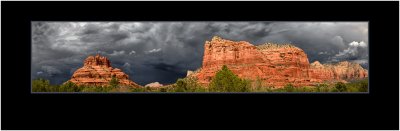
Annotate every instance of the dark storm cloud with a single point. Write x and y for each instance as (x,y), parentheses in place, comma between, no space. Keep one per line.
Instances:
(163,66)
(164,51)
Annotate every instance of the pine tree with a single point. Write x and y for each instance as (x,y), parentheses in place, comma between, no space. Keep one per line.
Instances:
(226,81)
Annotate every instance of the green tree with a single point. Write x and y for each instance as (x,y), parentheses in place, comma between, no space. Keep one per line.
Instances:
(340,86)
(41,85)
(322,88)
(364,86)
(226,81)
(114,82)
(181,85)
(69,87)
(189,84)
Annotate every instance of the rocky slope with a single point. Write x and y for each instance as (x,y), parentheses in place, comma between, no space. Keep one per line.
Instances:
(97,70)
(276,65)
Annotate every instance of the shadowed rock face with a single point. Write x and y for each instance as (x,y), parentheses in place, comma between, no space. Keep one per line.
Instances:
(276,65)
(97,70)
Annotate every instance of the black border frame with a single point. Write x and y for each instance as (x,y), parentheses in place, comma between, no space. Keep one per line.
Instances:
(199,67)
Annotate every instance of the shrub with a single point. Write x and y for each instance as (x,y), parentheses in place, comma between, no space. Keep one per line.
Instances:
(69,87)
(163,89)
(90,89)
(358,86)
(334,90)
(189,84)
(364,85)
(226,81)
(352,89)
(288,88)
(322,88)
(120,89)
(138,89)
(114,82)
(181,86)
(340,87)
(41,85)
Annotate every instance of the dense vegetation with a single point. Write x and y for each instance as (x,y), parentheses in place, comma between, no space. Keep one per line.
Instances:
(224,81)
(42,85)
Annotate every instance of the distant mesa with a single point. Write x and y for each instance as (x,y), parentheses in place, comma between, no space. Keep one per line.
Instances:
(154,85)
(97,71)
(273,64)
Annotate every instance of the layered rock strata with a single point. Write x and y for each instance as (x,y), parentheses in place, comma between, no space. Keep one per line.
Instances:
(274,64)
(97,71)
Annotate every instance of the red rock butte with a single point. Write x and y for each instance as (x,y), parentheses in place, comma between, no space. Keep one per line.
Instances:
(97,71)
(274,64)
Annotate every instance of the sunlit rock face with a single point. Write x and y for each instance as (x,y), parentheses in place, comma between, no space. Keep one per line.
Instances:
(274,64)
(97,70)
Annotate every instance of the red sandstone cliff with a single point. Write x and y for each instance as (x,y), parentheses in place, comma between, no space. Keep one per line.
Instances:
(339,71)
(97,70)
(276,65)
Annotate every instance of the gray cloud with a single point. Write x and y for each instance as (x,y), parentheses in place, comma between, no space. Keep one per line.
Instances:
(163,51)
(132,52)
(355,52)
(154,50)
(117,53)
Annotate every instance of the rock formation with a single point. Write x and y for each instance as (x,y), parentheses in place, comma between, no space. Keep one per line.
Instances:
(189,72)
(339,71)
(274,64)
(97,70)
(154,85)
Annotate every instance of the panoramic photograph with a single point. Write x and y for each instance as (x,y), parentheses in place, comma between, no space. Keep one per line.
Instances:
(199,57)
